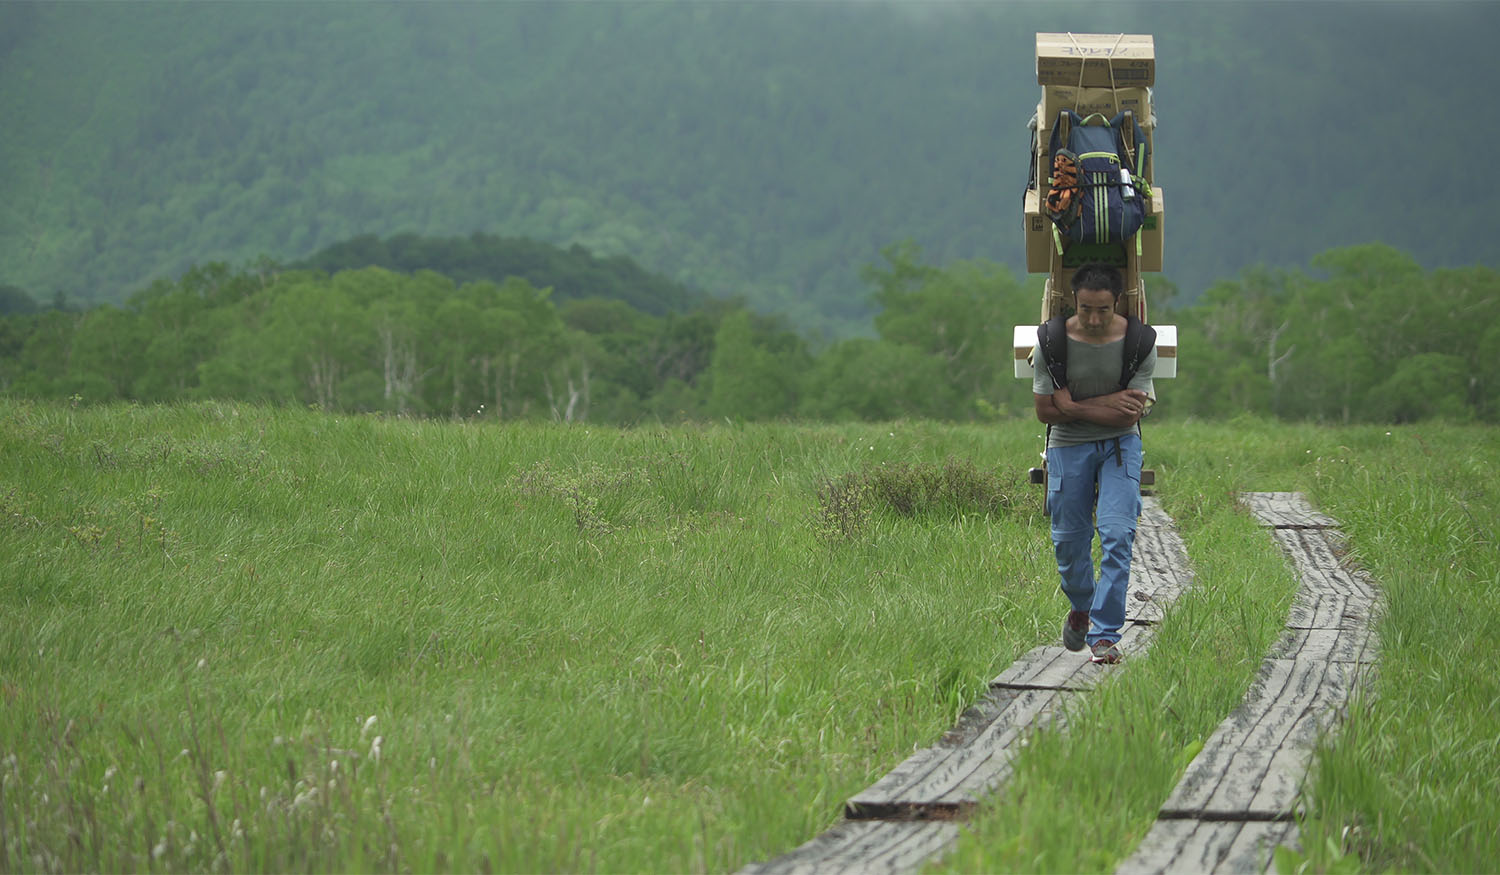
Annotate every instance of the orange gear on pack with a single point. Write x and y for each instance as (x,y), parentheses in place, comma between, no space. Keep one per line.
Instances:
(1060,199)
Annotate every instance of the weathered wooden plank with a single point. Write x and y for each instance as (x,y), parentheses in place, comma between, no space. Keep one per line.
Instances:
(1316,557)
(1254,848)
(867,846)
(1036,662)
(1158,562)
(1203,774)
(1285,509)
(946,781)
(1057,668)
(1312,609)
(1061,669)
(1234,803)
(950,778)
(955,779)
(1145,611)
(1318,566)
(1137,637)
(1161,849)
(1158,568)
(1152,515)
(1331,645)
(1194,846)
(1053,667)
(1253,764)
(1243,745)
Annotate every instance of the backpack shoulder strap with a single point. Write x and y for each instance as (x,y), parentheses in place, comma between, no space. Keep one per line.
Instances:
(1132,141)
(1140,339)
(1052,343)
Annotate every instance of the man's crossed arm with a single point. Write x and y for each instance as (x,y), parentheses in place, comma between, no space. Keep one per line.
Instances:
(1118,409)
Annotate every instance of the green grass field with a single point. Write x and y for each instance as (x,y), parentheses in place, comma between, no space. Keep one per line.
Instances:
(246,638)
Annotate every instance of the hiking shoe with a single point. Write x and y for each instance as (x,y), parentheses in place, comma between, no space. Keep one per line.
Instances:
(1106,652)
(1075,630)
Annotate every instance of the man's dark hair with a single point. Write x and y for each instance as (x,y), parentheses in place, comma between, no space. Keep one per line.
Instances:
(1099,276)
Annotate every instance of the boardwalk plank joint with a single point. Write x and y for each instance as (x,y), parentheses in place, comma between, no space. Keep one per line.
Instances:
(1238,799)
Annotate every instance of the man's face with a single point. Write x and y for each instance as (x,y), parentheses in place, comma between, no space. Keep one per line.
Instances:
(1096,311)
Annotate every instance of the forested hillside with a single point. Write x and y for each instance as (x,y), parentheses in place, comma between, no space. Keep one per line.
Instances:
(765,150)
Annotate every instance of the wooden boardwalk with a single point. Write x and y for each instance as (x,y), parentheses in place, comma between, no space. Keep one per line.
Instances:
(906,819)
(1236,801)
(1238,798)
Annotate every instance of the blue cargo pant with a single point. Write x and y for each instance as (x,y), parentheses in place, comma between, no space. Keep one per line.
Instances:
(1073,473)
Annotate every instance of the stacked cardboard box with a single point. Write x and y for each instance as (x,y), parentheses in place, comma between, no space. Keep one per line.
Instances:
(1095,60)
(1092,73)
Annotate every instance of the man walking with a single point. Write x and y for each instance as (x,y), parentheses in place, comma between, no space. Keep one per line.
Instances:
(1092,386)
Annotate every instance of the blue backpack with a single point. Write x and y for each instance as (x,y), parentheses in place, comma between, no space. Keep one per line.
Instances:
(1098,185)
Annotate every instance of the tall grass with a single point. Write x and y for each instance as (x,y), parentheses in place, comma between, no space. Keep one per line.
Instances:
(242,638)
(1412,783)
(246,638)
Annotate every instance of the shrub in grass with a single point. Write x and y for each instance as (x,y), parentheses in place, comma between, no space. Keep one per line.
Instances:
(940,491)
(956,486)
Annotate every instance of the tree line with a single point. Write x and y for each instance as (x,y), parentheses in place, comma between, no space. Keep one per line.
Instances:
(1368,336)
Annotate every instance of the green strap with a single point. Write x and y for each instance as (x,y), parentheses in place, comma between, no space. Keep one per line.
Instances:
(1098,115)
(1101,206)
(1056,238)
(1137,244)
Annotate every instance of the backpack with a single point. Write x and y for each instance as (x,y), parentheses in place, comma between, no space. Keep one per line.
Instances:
(1052,343)
(1098,187)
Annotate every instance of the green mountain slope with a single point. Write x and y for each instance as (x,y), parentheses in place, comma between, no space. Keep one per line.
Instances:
(767,150)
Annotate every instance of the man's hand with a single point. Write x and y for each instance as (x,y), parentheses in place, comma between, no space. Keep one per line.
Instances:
(1131,402)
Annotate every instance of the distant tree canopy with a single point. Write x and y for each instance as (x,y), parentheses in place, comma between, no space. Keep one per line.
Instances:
(1375,339)
(571,273)
(418,343)
(758,150)
(1372,338)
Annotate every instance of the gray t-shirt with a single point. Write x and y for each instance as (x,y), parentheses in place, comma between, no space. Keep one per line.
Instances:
(1093,370)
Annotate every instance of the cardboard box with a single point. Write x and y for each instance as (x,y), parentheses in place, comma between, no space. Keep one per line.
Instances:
(1023,341)
(1166,351)
(1152,232)
(1087,101)
(1038,231)
(1095,60)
